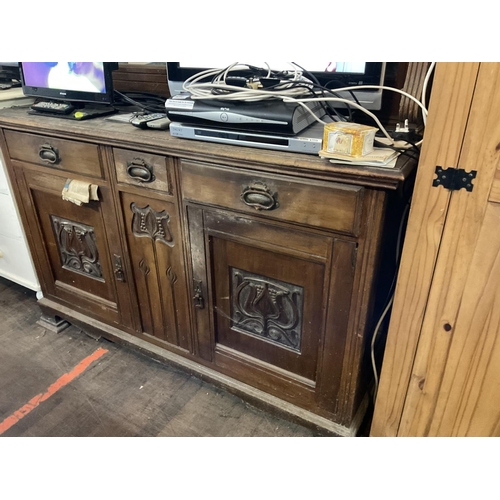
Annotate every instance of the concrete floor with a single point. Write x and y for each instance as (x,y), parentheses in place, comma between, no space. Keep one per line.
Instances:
(121,393)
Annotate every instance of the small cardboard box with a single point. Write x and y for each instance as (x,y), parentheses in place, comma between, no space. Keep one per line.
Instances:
(350,139)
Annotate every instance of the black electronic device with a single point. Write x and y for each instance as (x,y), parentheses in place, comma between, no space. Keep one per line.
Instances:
(72,83)
(264,116)
(9,75)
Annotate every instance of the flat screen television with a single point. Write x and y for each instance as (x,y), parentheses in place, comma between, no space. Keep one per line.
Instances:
(75,82)
(332,75)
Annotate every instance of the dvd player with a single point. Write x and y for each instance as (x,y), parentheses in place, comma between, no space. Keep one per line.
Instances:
(308,141)
(272,116)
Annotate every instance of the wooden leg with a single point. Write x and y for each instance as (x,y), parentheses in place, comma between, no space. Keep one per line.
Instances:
(53,323)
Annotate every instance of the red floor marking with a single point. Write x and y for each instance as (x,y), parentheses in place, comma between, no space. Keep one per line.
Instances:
(58,384)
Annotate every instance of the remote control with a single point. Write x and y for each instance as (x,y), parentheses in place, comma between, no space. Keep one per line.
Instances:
(62,108)
(141,121)
(160,123)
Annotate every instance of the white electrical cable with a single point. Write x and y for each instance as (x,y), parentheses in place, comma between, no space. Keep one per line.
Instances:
(424,88)
(374,365)
(289,92)
(205,90)
(338,99)
(391,300)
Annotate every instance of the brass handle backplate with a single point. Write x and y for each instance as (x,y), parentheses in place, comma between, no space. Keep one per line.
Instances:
(259,196)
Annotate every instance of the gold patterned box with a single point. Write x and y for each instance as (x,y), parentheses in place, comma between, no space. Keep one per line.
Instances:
(349,139)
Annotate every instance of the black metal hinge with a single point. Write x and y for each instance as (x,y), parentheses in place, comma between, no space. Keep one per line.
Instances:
(454,178)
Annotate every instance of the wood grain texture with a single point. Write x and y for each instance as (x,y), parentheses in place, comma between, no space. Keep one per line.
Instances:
(449,108)
(124,135)
(158,268)
(151,78)
(297,201)
(159,167)
(495,188)
(72,156)
(455,379)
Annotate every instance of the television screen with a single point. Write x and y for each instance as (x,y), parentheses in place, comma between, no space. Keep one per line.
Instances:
(70,81)
(313,66)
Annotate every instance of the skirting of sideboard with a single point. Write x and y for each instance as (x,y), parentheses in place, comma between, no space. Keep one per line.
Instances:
(252,395)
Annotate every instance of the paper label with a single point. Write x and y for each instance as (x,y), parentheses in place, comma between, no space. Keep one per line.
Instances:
(339,142)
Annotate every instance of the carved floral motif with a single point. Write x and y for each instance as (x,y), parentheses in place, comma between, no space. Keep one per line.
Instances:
(266,307)
(150,223)
(77,247)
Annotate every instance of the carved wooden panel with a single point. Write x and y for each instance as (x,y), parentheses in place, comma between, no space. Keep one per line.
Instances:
(153,236)
(150,223)
(77,247)
(268,308)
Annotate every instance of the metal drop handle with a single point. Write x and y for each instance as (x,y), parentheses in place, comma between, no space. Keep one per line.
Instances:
(139,170)
(260,197)
(49,154)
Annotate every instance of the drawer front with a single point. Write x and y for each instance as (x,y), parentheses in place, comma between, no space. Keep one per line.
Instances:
(143,169)
(312,203)
(60,154)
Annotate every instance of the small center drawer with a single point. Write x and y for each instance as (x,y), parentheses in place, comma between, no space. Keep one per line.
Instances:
(142,169)
(62,154)
(321,204)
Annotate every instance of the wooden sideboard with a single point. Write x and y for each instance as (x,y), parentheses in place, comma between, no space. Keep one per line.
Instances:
(255,269)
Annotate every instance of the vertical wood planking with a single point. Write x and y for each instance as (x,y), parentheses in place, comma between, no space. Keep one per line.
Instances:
(460,327)
(448,114)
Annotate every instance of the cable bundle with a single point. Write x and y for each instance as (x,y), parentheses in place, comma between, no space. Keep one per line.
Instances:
(291,86)
(277,85)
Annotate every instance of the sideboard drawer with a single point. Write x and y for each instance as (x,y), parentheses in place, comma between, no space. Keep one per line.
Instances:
(142,169)
(313,203)
(61,154)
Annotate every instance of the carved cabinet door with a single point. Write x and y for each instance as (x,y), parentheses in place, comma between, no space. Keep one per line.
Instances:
(77,248)
(272,304)
(155,245)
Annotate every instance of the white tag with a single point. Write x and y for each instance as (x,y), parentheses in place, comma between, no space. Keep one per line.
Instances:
(179,103)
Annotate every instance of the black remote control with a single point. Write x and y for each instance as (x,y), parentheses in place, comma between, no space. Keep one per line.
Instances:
(60,108)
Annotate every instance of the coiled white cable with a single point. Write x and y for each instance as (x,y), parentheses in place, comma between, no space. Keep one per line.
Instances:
(289,93)
(204,90)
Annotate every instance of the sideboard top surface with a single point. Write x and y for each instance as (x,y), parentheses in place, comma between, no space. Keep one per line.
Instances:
(113,133)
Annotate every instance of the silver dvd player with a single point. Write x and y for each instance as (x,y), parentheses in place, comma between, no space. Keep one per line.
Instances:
(308,141)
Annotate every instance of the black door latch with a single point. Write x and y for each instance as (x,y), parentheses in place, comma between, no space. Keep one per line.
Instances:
(454,178)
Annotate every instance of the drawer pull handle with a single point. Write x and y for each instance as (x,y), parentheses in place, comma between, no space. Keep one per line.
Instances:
(260,197)
(49,154)
(138,169)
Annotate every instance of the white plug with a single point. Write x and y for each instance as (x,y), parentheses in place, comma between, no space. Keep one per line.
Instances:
(404,129)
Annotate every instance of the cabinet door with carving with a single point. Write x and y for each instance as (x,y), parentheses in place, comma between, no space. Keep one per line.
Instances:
(76,249)
(155,247)
(273,304)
